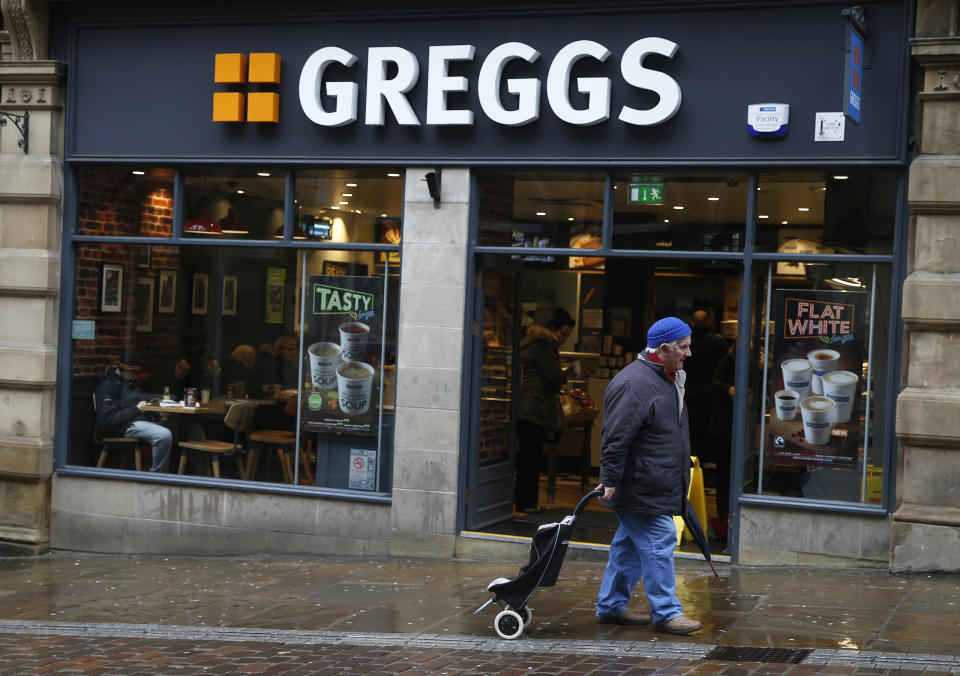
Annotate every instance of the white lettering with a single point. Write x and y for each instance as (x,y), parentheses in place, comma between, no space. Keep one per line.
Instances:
(597,89)
(345,93)
(384,92)
(527,90)
(392,91)
(439,83)
(631,66)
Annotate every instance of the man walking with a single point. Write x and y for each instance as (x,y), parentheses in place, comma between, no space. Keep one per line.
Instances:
(644,475)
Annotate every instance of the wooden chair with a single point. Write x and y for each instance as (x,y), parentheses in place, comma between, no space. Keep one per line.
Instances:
(238,419)
(284,442)
(107,444)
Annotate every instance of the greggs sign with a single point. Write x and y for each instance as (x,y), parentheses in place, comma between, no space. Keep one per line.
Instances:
(392,72)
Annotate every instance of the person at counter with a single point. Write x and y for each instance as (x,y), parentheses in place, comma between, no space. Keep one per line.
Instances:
(538,407)
(119,410)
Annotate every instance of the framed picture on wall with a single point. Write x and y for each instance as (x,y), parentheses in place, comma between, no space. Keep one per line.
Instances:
(276,281)
(199,293)
(229,304)
(111,287)
(167,299)
(145,287)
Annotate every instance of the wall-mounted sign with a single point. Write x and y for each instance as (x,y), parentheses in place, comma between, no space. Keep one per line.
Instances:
(392,72)
(853,75)
(645,193)
(768,119)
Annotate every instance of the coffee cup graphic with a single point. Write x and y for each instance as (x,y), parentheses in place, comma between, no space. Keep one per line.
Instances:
(324,360)
(354,382)
(823,361)
(841,387)
(796,376)
(817,414)
(786,404)
(353,340)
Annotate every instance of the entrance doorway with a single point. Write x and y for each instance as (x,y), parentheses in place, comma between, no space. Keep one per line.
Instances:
(612,300)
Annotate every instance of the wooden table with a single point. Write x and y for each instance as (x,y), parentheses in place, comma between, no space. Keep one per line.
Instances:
(215,406)
(582,419)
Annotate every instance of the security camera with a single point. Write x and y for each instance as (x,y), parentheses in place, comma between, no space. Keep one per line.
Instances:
(433,186)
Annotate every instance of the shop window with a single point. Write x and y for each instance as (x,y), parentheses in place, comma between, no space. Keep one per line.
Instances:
(125,202)
(679,212)
(357,206)
(300,345)
(234,203)
(843,212)
(817,417)
(542,210)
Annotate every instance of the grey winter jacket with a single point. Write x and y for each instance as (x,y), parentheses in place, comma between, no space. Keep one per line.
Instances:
(646,441)
(540,377)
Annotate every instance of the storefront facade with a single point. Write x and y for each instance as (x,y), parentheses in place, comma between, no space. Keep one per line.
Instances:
(277,186)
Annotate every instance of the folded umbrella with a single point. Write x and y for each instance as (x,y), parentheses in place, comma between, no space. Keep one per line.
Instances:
(696,530)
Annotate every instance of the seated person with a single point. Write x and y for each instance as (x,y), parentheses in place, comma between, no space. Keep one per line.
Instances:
(242,368)
(279,366)
(181,378)
(119,410)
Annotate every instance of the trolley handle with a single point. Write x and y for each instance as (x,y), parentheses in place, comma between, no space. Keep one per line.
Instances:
(584,500)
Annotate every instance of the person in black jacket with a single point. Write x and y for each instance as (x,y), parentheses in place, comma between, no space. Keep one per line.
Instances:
(644,475)
(119,410)
(538,406)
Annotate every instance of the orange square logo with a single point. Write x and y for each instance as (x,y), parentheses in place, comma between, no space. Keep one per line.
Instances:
(264,67)
(230,68)
(228,106)
(263,107)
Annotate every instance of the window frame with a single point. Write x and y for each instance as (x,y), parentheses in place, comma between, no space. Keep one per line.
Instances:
(747,257)
(68,270)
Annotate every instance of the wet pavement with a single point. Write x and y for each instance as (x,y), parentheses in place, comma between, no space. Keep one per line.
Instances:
(868,620)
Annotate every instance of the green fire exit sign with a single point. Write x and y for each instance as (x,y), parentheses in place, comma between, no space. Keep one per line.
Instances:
(645,193)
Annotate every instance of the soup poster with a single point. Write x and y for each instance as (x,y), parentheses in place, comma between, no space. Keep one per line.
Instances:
(815,381)
(342,354)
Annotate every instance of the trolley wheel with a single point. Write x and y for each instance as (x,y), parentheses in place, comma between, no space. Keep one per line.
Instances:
(527,614)
(508,624)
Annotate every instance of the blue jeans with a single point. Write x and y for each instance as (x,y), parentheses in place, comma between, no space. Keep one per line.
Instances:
(159,437)
(643,548)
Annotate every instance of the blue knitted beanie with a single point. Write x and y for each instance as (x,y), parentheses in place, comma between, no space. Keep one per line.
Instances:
(666,329)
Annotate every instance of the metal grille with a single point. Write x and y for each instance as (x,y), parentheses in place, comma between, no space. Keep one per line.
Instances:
(742,654)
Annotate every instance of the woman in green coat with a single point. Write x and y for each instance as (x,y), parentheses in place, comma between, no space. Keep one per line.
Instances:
(538,405)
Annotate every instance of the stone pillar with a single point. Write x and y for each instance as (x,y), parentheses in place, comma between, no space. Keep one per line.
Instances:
(429,364)
(926,525)
(30,212)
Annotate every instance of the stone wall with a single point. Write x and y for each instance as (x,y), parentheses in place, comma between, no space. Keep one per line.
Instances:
(31,178)
(925,535)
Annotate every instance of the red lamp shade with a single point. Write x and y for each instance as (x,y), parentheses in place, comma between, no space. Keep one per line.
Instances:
(202,223)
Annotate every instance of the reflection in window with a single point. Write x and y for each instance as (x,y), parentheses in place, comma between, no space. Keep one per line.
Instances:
(132,202)
(816,410)
(349,206)
(234,203)
(542,210)
(679,212)
(222,327)
(836,212)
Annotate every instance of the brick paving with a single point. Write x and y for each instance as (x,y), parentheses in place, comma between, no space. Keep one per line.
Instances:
(68,648)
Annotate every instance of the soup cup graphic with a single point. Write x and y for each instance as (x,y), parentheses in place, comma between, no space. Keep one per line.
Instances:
(353,340)
(324,360)
(354,382)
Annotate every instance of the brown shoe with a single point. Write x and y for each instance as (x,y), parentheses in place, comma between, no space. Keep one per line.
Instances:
(626,617)
(681,625)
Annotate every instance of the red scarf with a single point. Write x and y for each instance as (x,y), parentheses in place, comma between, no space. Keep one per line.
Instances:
(655,358)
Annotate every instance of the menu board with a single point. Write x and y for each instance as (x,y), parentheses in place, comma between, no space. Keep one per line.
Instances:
(814,383)
(342,356)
